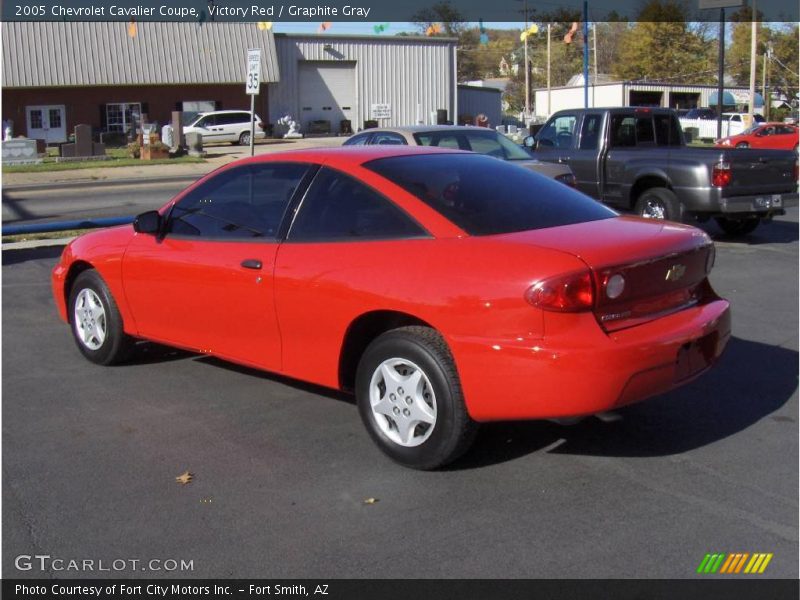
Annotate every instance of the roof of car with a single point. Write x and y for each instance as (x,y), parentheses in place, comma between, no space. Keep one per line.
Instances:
(222,112)
(421,128)
(349,154)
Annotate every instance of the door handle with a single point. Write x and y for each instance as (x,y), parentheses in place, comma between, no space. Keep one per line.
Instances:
(251,263)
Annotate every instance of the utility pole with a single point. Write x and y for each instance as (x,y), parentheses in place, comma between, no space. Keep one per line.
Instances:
(754,31)
(585,54)
(527,75)
(721,72)
(548,70)
(764,86)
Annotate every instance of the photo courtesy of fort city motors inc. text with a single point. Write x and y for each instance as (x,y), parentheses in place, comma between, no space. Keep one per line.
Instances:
(450,299)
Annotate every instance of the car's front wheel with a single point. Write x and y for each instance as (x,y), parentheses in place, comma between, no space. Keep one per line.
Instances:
(410,399)
(96,321)
(742,145)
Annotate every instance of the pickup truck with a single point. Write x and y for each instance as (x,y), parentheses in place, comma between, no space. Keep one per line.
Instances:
(637,159)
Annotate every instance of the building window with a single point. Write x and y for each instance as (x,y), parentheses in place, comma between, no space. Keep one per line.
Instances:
(123,116)
(55,118)
(36,119)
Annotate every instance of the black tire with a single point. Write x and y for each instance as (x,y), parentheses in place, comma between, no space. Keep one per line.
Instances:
(452,431)
(116,345)
(742,145)
(659,203)
(737,227)
(244,138)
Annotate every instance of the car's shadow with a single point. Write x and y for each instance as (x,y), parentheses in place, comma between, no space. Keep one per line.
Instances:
(751,381)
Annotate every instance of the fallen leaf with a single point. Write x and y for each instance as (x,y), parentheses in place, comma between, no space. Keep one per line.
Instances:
(370,500)
(184,478)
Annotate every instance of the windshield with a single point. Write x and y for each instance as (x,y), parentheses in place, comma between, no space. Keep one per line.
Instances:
(482,141)
(484,196)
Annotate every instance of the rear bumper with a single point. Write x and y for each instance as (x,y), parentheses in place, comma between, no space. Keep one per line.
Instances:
(762,203)
(584,371)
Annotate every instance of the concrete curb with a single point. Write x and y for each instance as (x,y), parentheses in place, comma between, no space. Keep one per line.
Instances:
(29,187)
(36,244)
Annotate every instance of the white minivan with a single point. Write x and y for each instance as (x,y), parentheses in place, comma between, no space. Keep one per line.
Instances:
(225,126)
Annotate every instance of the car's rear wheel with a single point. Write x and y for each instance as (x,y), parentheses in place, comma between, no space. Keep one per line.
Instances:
(96,321)
(742,145)
(738,226)
(410,399)
(244,138)
(659,203)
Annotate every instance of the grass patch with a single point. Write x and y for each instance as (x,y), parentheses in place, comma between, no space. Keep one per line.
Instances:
(119,158)
(50,235)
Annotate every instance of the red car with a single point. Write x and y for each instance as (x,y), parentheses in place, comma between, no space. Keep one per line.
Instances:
(444,288)
(777,136)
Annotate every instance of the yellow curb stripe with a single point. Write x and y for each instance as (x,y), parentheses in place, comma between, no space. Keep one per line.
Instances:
(761,557)
(750,564)
(766,562)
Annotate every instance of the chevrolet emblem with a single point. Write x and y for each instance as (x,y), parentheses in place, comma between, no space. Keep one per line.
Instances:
(675,272)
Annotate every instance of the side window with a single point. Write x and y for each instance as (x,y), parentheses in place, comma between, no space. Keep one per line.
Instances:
(736,119)
(644,131)
(389,139)
(208,121)
(558,132)
(438,140)
(590,132)
(241,203)
(623,131)
(668,132)
(337,207)
(486,144)
(357,140)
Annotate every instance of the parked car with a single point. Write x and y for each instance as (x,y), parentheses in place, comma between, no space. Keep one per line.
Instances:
(226,126)
(778,136)
(445,288)
(474,139)
(636,159)
(704,114)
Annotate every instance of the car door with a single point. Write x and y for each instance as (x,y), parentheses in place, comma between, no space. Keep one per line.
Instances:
(205,283)
(555,141)
(764,137)
(584,160)
(332,267)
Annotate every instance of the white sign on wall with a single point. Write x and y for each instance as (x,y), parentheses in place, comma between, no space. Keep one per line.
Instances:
(381,111)
(253,82)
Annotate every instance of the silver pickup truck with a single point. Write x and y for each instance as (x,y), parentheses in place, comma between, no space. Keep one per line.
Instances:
(637,159)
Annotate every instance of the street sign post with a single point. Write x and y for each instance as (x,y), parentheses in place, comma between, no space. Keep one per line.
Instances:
(252,85)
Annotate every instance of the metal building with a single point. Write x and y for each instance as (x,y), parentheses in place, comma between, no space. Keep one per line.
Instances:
(394,80)
(110,74)
(627,93)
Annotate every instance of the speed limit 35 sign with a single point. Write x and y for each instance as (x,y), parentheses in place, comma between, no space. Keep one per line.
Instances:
(253,81)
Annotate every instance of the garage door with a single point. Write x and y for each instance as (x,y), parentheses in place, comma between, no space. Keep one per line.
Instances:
(327,93)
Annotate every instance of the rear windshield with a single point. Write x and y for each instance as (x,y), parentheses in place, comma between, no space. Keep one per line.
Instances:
(485,196)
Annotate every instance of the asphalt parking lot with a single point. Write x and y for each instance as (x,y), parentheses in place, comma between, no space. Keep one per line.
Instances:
(282,470)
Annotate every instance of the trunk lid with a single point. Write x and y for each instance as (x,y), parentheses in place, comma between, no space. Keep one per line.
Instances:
(664,265)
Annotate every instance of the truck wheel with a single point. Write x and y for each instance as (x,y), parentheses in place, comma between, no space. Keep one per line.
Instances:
(410,399)
(738,226)
(659,203)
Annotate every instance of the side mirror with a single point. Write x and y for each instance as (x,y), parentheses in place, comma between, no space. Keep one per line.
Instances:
(148,222)
(529,142)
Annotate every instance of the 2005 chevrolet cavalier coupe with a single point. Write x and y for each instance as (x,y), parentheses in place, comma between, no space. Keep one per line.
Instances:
(444,288)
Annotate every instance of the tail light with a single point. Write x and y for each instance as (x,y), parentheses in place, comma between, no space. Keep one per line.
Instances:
(721,174)
(567,179)
(261,125)
(565,293)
